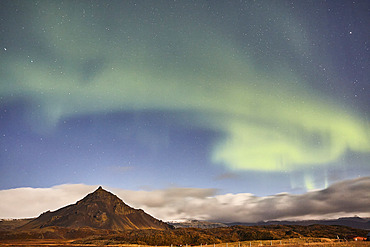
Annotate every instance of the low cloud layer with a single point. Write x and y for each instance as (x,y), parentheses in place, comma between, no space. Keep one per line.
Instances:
(345,198)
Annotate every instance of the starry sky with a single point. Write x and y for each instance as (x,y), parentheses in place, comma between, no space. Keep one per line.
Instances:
(211,99)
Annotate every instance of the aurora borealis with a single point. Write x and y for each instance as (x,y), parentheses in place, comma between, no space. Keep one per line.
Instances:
(259,97)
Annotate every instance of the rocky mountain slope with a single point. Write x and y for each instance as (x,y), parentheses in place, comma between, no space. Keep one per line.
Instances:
(101,210)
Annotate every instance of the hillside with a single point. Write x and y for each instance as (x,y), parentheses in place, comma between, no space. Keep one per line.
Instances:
(10,224)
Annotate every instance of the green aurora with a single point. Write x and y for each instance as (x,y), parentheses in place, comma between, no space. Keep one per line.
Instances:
(270,115)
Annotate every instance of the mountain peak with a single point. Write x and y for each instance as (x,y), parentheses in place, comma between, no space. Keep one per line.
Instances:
(102,210)
(100,192)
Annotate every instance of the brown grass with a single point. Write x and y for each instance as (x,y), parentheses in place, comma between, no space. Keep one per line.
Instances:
(322,242)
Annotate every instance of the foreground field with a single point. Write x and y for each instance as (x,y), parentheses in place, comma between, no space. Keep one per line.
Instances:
(234,236)
(284,242)
(182,236)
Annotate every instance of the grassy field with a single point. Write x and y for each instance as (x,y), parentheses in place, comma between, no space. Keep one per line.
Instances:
(285,242)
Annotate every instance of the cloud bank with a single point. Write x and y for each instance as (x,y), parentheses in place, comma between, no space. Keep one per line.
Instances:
(345,198)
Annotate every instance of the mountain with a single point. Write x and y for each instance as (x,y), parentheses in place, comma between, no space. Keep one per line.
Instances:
(355,222)
(11,224)
(196,224)
(101,210)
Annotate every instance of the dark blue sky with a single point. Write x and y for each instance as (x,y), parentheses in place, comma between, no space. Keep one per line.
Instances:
(260,97)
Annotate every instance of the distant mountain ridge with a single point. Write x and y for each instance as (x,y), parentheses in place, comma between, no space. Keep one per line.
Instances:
(101,210)
(355,222)
(196,224)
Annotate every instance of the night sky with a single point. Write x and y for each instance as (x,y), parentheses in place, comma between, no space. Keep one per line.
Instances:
(234,102)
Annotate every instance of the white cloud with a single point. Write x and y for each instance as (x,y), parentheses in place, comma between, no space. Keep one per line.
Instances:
(31,202)
(345,198)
